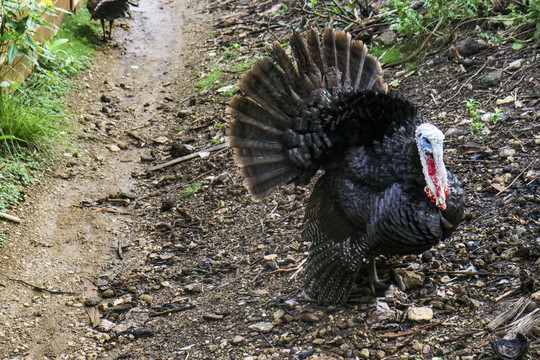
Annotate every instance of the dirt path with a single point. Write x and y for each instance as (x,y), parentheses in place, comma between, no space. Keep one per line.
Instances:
(66,236)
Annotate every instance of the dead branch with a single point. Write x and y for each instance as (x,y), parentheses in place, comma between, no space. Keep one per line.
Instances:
(524,325)
(187,157)
(13,218)
(516,308)
(409,332)
(517,177)
(42,289)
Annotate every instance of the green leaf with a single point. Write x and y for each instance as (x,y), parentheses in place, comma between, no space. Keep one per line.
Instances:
(12,52)
(517,45)
(10,137)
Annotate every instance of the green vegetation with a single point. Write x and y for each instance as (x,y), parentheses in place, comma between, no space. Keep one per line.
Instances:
(32,121)
(192,189)
(420,20)
(18,32)
(391,54)
(478,116)
(438,15)
(210,81)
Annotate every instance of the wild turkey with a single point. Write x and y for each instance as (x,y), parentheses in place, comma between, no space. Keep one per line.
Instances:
(385,189)
(109,10)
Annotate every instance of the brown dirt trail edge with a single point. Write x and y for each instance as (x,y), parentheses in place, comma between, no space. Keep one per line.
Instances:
(61,242)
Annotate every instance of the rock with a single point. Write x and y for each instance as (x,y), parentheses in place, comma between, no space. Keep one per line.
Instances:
(364,353)
(102,337)
(92,301)
(514,65)
(178,149)
(417,346)
(509,253)
(109,293)
(278,314)
(212,317)
(105,99)
(309,318)
(507,100)
(453,132)
(408,279)
(194,288)
(492,79)
(536,91)
(225,88)
(183,113)
(105,325)
(536,297)
(146,298)
(161,139)
(420,314)
(122,145)
(470,47)
(238,339)
(270,257)
(318,341)
(387,37)
(506,152)
(114,148)
(141,332)
(384,313)
(262,326)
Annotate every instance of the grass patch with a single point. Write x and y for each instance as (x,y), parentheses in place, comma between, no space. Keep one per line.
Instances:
(192,189)
(391,54)
(211,81)
(242,67)
(32,121)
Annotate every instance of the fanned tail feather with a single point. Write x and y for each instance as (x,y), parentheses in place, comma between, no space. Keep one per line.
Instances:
(278,93)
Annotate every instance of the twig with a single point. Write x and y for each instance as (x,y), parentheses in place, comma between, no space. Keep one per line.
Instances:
(114,211)
(294,268)
(135,136)
(300,266)
(409,332)
(13,218)
(42,289)
(187,157)
(465,83)
(474,273)
(507,294)
(517,177)
(170,311)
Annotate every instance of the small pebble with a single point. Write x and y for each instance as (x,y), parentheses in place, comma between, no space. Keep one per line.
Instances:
(420,314)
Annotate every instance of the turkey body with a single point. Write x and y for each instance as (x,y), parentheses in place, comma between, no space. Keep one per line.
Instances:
(108,10)
(384,191)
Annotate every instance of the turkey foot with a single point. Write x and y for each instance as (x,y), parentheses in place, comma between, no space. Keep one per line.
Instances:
(373,280)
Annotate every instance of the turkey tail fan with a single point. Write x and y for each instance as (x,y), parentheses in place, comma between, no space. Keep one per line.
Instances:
(255,134)
(273,142)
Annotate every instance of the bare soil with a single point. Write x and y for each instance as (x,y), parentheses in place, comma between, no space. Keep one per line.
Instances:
(186,266)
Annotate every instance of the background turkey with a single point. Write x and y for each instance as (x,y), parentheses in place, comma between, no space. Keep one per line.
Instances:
(385,189)
(109,10)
